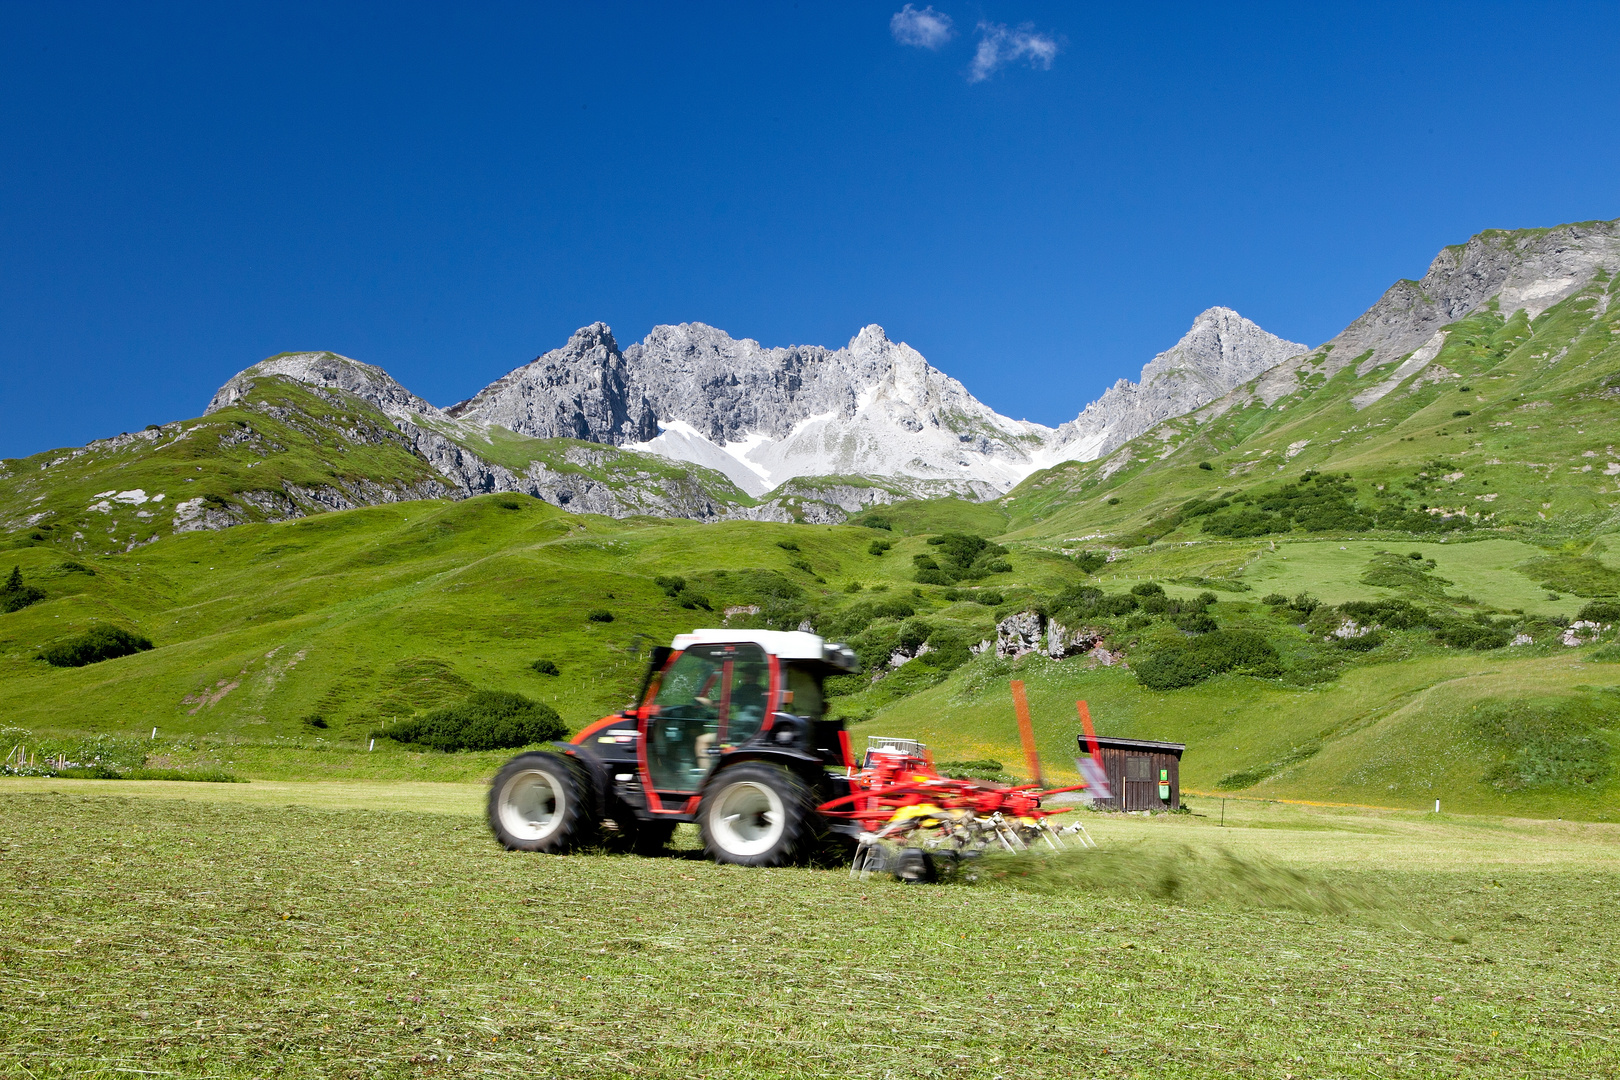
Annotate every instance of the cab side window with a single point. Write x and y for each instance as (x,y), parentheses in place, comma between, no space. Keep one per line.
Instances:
(806,691)
(750,691)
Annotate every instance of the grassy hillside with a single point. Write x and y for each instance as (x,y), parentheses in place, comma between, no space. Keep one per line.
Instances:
(287,450)
(367,614)
(1512,426)
(287,643)
(284,451)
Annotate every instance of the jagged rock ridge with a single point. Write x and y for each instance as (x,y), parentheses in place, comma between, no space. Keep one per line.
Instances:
(1523,269)
(764,415)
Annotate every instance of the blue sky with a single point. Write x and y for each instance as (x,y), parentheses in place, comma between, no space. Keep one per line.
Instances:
(1037,196)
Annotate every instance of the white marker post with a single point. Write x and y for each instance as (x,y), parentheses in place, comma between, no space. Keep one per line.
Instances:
(154,733)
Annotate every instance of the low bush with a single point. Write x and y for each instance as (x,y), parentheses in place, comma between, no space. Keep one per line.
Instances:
(15,595)
(93,646)
(959,557)
(1470,635)
(1391,614)
(486,720)
(1601,611)
(1091,561)
(600,615)
(1275,599)
(677,590)
(544,667)
(1177,666)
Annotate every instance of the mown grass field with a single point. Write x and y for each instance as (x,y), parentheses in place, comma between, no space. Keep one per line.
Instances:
(345,930)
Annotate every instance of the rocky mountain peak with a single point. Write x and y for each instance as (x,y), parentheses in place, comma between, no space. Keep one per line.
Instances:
(328,369)
(1222,350)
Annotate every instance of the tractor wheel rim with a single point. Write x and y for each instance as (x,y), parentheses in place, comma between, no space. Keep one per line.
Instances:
(747,819)
(532,805)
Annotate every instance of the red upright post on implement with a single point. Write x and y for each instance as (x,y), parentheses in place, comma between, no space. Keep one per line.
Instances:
(1091,736)
(1026,732)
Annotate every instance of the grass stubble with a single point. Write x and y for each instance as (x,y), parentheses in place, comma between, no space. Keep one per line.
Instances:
(209,937)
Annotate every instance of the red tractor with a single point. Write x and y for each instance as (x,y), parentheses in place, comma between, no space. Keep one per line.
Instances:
(730,732)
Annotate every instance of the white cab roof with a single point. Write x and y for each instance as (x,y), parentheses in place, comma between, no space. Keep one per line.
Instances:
(788,644)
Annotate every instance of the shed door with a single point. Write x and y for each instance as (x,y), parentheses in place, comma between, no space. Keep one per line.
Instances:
(1141,785)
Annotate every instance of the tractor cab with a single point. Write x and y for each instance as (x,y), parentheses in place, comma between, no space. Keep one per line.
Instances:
(717,693)
(729,731)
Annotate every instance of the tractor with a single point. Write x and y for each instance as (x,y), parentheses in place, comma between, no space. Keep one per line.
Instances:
(729,731)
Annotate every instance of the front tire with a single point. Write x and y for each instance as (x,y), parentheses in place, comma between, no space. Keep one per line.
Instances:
(756,815)
(538,802)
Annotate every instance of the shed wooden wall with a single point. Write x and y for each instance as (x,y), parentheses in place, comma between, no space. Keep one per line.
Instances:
(1140,796)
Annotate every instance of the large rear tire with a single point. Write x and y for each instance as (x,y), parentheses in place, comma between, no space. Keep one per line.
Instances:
(757,815)
(539,802)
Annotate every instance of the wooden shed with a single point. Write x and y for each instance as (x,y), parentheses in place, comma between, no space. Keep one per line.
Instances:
(1144,775)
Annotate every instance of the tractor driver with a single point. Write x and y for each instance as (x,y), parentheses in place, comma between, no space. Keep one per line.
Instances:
(748,690)
(750,682)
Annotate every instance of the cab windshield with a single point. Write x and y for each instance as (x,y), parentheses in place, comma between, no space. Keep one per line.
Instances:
(711,699)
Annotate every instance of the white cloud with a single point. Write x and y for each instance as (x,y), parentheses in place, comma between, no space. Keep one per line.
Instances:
(925,29)
(1000,46)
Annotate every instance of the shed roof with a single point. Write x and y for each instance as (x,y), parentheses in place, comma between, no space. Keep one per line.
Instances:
(1144,745)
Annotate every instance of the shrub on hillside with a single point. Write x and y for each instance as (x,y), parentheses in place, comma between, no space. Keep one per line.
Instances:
(1468,635)
(1197,622)
(93,646)
(1390,614)
(1090,562)
(600,615)
(544,667)
(1177,666)
(486,720)
(878,547)
(959,557)
(1601,611)
(677,590)
(15,595)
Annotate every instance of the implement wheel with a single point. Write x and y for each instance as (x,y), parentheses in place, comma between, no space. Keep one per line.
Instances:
(757,815)
(538,802)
